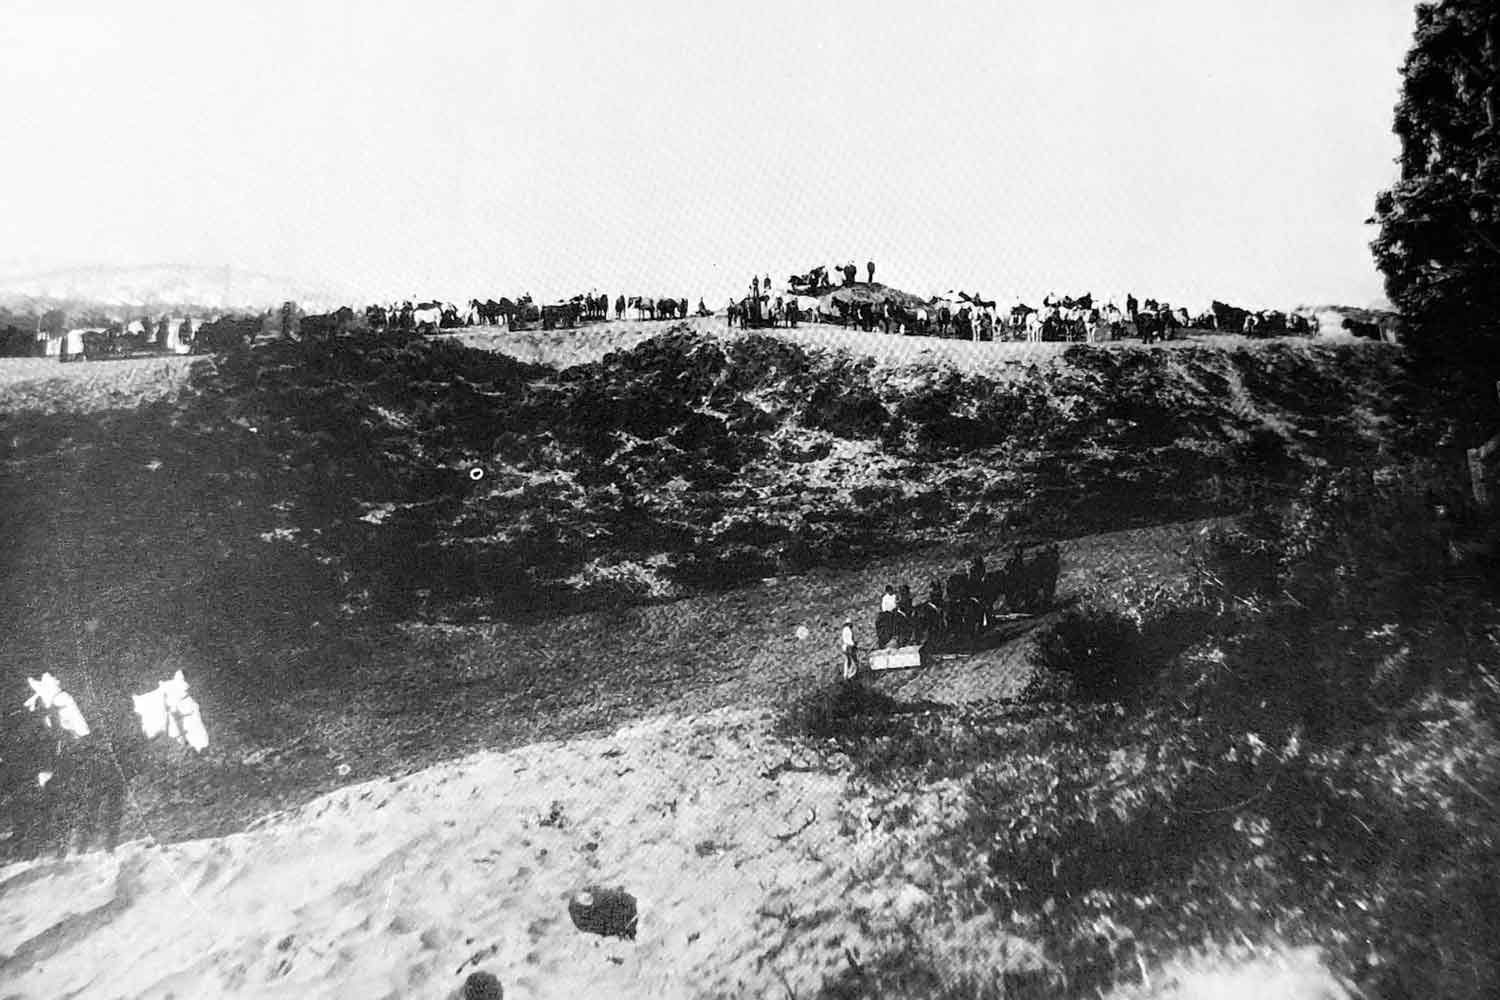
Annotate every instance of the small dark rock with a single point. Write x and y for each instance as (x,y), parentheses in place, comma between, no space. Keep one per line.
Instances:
(483,986)
(606,912)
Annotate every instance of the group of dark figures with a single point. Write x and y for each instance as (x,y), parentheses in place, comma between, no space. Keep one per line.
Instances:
(522,312)
(962,609)
(971,317)
(664,308)
(815,281)
(765,310)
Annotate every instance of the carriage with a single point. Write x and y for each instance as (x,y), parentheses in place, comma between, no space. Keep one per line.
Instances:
(973,613)
(527,315)
(560,314)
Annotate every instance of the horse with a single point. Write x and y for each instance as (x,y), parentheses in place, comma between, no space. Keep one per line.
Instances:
(926,622)
(643,307)
(1228,318)
(1027,585)
(963,324)
(957,608)
(807,307)
(1036,326)
(428,314)
(866,316)
(944,319)
(560,314)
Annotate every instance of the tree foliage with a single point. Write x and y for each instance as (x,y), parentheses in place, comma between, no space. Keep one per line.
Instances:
(1439,240)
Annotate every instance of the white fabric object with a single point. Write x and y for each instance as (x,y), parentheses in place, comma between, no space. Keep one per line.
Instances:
(48,693)
(152,709)
(187,726)
(171,710)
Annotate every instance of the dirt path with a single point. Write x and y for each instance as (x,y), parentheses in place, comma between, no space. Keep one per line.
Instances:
(504,685)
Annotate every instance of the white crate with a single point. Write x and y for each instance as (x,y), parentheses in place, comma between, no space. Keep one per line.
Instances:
(901,658)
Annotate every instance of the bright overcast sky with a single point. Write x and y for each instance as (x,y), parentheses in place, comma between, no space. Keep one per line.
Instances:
(1185,149)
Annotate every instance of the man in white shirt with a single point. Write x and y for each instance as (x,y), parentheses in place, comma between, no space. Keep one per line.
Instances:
(851,651)
(888,601)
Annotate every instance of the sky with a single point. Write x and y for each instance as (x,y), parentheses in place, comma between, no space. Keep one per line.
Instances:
(1180,149)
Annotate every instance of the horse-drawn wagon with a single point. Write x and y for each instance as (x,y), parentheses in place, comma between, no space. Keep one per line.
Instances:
(974,612)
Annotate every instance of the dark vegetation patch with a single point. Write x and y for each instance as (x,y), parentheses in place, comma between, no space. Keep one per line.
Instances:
(1298,747)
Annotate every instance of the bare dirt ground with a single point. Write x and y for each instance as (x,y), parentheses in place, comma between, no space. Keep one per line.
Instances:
(750,880)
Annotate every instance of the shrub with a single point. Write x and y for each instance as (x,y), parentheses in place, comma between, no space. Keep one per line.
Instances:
(1100,649)
(1343,599)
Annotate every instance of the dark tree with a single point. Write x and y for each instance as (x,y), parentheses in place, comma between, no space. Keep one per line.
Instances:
(1439,242)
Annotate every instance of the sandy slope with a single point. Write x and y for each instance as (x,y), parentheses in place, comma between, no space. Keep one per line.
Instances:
(388,888)
(562,348)
(759,871)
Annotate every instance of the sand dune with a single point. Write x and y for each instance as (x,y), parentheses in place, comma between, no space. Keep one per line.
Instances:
(747,878)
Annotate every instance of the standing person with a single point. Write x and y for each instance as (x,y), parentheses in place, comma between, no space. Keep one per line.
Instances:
(850,650)
(1131,306)
(904,612)
(870,270)
(885,622)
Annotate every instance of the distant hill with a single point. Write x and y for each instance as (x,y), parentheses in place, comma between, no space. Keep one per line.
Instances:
(159,288)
